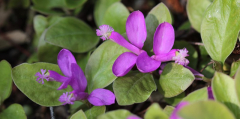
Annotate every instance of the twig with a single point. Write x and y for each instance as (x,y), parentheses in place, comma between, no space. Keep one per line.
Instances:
(197,43)
(206,66)
(52,113)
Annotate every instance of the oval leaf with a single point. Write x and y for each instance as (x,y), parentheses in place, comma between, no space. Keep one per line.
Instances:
(6,80)
(155,112)
(224,91)
(116,114)
(206,110)
(200,94)
(175,79)
(156,16)
(72,34)
(116,17)
(79,115)
(220,28)
(195,11)
(234,67)
(43,94)
(99,67)
(168,110)
(95,111)
(133,88)
(100,9)
(14,111)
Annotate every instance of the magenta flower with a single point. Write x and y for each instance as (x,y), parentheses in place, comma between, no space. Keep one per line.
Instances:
(136,33)
(174,114)
(210,93)
(41,76)
(163,41)
(133,117)
(74,76)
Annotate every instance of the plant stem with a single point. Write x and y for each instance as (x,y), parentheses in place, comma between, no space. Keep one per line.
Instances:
(52,113)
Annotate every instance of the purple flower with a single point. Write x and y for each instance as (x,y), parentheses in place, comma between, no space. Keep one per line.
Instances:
(210,93)
(136,33)
(104,31)
(74,76)
(133,117)
(163,41)
(42,76)
(175,111)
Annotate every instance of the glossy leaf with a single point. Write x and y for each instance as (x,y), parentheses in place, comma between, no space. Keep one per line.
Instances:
(43,94)
(155,112)
(175,79)
(79,115)
(133,88)
(224,91)
(195,11)
(206,110)
(46,52)
(156,16)
(234,67)
(12,112)
(116,114)
(116,17)
(100,9)
(220,28)
(72,34)
(198,95)
(168,110)
(99,67)
(6,80)
(95,111)
(193,55)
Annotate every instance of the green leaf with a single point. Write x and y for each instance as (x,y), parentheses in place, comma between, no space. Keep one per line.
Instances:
(82,60)
(193,55)
(133,88)
(71,4)
(195,11)
(76,106)
(95,111)
(168,110)
(234,67)
(156,16)
(197,95)
(100,9)
(99,67)
(79,115)
(224,91)
(40,23)
(237,83)
(6,80)
(47,6)
(47,11)
(116,17)
(220,28)
(175,100)
(185,26)
(206,110)
(72,34)
(116,114)
(175,79)
(43,94)
(14,111)
(155,112)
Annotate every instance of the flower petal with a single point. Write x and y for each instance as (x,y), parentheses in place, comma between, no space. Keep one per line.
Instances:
(165,57)
(100,97)
(210,93)
(57,77)
(136,29)
(78,81)
(146,64)
(175,111)
(133,117)
(124,64)
(198,76)
(119,39)
(65,59)
(163,39)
